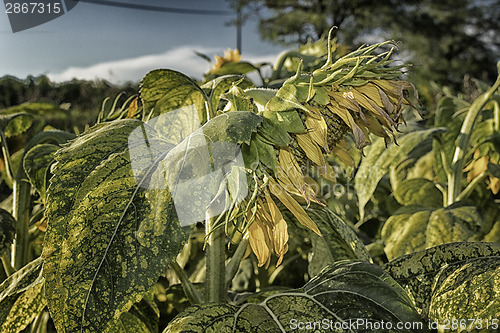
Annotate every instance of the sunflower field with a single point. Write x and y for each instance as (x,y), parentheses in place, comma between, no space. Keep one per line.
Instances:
(320,193)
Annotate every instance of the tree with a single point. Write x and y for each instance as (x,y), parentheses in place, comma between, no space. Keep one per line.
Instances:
(446,40)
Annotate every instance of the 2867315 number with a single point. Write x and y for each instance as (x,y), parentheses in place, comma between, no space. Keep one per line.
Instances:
(470,324)
(32,8)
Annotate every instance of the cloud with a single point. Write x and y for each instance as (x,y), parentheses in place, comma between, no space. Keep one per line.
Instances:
(182,59)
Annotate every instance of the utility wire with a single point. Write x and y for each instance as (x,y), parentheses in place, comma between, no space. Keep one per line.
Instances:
(159,8)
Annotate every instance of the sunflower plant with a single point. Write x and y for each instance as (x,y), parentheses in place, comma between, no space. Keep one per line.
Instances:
(239,165)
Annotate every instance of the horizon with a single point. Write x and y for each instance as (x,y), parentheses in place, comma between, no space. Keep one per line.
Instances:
(121,45)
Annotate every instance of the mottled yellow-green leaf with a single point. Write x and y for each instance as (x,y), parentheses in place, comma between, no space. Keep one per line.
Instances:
(36,163)
(234,127)
(378,160)
(166,90)
(273,133)
(418,191)
(405,231)
(341,292)
(240,67)
(454,224)
(471,290)
(143,317)
(451,280)
(109,236)
(21,298)
(415,228)
(13,124)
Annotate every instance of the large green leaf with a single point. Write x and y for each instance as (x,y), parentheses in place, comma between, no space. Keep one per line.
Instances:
(165,90)
(378,160)
(209,162)
(338,240)
(143,317)
(7,229)
(15,123)
(36,163)
(416,228)
(21,298)
(110,234)
(40,113)
(234,127)
(418,191)
(456,280)
(404,231)
(342,293)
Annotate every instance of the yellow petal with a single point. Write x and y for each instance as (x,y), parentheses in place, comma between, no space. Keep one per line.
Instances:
(318,130)
(313,152)
(292,205)
(258,242)
(280,235)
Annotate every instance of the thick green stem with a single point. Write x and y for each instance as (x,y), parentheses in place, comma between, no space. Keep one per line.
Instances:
(21,202)
(215,281)
(455,177)
(193,295)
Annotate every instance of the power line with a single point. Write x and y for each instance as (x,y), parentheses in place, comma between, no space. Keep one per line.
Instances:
(159,8)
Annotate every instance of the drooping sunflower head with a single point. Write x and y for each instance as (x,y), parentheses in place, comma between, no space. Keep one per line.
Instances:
(305,120)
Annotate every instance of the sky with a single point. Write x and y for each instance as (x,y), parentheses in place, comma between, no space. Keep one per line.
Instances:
(95,41)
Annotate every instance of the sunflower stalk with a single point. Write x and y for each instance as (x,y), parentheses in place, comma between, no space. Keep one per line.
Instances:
(215,286)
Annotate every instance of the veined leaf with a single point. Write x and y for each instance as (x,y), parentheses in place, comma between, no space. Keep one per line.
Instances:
(456,280)
(235,127)
(109,235)
(143,317)
(341,293)
(415,228)
(15,123)
(7,230)
(405,231)
(36,163)
(198,169)
(418,191)
(21,298)
(220,85)
(238,100)
(288,120)
(261,96)
(378,160)
(339,241)
(166,90)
